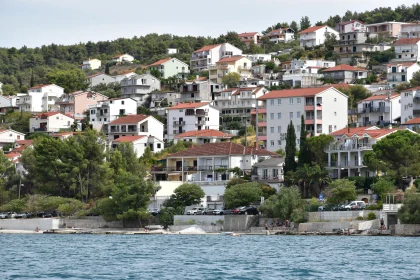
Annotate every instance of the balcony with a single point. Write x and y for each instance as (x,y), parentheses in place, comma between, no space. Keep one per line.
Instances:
(349,147)
(345,164)
(367,110)
(200,122)
(262,124)
(64,101)
(214,198)
(201,113)
(179,123)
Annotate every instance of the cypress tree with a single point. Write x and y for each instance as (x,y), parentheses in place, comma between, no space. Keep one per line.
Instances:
(107,69)
(304,154)
(32,78)
(289,161)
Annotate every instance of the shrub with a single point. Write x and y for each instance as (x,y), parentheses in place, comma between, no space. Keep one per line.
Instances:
(360,218)
(190,222)
(371,216)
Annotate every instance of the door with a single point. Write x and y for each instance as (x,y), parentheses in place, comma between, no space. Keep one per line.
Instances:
(179,165)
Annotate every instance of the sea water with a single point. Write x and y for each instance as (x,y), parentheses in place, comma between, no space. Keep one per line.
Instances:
(79,256)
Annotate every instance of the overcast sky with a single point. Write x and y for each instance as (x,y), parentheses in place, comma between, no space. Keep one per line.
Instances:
(38,22)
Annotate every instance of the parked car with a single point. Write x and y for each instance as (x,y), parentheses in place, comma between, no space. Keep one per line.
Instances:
(4,216)
(194,211)
(208,211)
(222,212)
(248,210)
(321,208)
(154,211)
(235,211)
(12,215)
(21,215)
(354,205)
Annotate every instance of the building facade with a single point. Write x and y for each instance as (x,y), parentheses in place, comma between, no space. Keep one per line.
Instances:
(106,111)
(345,73)
(91,64)
(50,122)
(77,103)
(209,55)
(170,67)
(407,50)
(400,72)
(379,110)
(410,104)
(249,37)
(139,86)
(203,136)
(135,125)
(233,64)
(120,58)
(40,98)
(315,36)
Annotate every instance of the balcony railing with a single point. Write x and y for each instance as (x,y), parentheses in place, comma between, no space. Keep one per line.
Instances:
(179,123)
(350,147)
(200,122)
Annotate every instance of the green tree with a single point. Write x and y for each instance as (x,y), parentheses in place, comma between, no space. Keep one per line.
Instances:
(107,69)
(305,23)
(409,213)
(242,194)
(295,27)
(415,81)
(355,94)
(286,205)
(290,162)
(70,80)
(340,191)
(304,152)
(382,187)
(187,194)
(317,146)
(231,79)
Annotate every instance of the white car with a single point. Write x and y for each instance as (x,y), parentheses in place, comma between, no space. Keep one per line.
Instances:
(354,205)
(194,211)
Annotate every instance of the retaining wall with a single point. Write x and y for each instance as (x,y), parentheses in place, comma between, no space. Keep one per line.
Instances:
(340,216)
(239,223)
(180,220)
(30,224)
(323,226)
(405,229)
(90,222)
(216,228)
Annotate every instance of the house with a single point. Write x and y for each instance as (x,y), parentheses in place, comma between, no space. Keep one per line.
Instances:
(389,29)
(269,171)
(233,64)
(203,136)
(324,110)
(209,55)
(413,124)
(65,135)
(99,78)
(196,91)
(315,35)
(8,103)
(379,110)
(239,102)
(91,64)
(172,51)
(351,26)
(140,143)
(249,37)
(400,72)
(105,111)
(123,58)
(76,104)
(139,86)
(305,73)
(40,98)
(170,67)
(50,122)
(410,30)
(281,35)
(345,73)
(257,58)
(191,116)
(410,104)
(209,162)
(163,99)
(135,125)
(10,136)
(407,50)
(345,154)
(118,78)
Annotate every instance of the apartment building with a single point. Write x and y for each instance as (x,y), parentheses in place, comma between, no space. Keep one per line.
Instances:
(135,125)
(410,30)
(249,37)
(196,91)
(324,110)
(209,55)
(40,98)
(281,35)
(305,73)
(138,87)
(379,110)
(106,111)
(76,104)
(401,72)
(407,50)
(410,104)
(233,64)
(315,35)
(191,116)
(170,67)
(389,29)
(345,73)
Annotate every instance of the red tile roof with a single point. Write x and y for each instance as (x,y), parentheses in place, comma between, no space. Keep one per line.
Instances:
(202,79)
(24,142)
(230,59)
(344,67)
(372,132)
(260,111)
(189,105)
(46,114)
(130,119)
(204,133)
(247,34)
(207,48)
(410,89)
(413,121)
(160,62)
(39,86)
(128,138)
(12,155)
(380,97)
(312,29)
(221,148)
(293,93)
(407,41)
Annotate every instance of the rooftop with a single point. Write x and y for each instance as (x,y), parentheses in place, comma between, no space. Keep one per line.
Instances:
(204,133)
(344,67)
(189,105)
(381,97)
(407,41)
(413,121)
(293,93)
(371,132)
(130,119)
(231,58)
(312,29)
(160,62)
(207,48)
(128,138)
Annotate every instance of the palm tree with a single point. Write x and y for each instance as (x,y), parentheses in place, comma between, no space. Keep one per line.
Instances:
(320,177)
(303,177)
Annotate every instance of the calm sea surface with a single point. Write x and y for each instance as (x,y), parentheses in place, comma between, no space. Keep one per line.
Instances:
(207,257)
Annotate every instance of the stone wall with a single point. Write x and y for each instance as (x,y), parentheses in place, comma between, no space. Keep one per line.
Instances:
(323,226)
(339,216)
(90,222)
(30,224)
(405,229)
(239,223)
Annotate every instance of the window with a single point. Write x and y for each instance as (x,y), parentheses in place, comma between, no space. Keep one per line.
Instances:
(291,115)
(272,129)
(335,99)
(298,114)
(158,145)
(298,100)
(290,100)
(181,111)
(335,113)
(279,101)
(272,116)
(272,102)
(279,129)
(105,120)
(298,128)
(279,115)
(272,143)
(122,102)
(278,142)
(298,141)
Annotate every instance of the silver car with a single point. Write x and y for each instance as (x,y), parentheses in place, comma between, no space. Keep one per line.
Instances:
(4,216)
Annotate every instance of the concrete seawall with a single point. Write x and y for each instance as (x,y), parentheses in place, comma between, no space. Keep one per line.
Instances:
(339,216)
(405,229)
(90,222)
(30,224)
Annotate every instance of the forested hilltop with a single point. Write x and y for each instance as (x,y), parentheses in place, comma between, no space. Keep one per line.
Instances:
(24,67)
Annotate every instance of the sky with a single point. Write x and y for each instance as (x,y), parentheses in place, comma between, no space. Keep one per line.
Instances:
(41,22)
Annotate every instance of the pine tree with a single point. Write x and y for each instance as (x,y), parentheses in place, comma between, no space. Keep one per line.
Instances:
(107,69)
(290,163)
(304,154)
(32,78)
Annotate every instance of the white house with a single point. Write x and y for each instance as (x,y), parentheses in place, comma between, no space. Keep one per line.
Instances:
(305,73)
(140,143)
(40,98)
(118,78)
(407,49)
(324,110)
(123,58)
(172,51)
(91,63)
(50,122)
(135,125)
(209,55)
(99,78)
(170,67)
(10,136)
(203,136)
(191,116)
(410,104)
(232,64)
(8,103)
(139,86)
(345,155)
(345,73)
(1,88)
(105,111)
(162,99)
(380,110)
(400,72)
(269,171)
(410,30)
(196,91)
(209,162)
(282,35)
(315,35)
(258,57)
